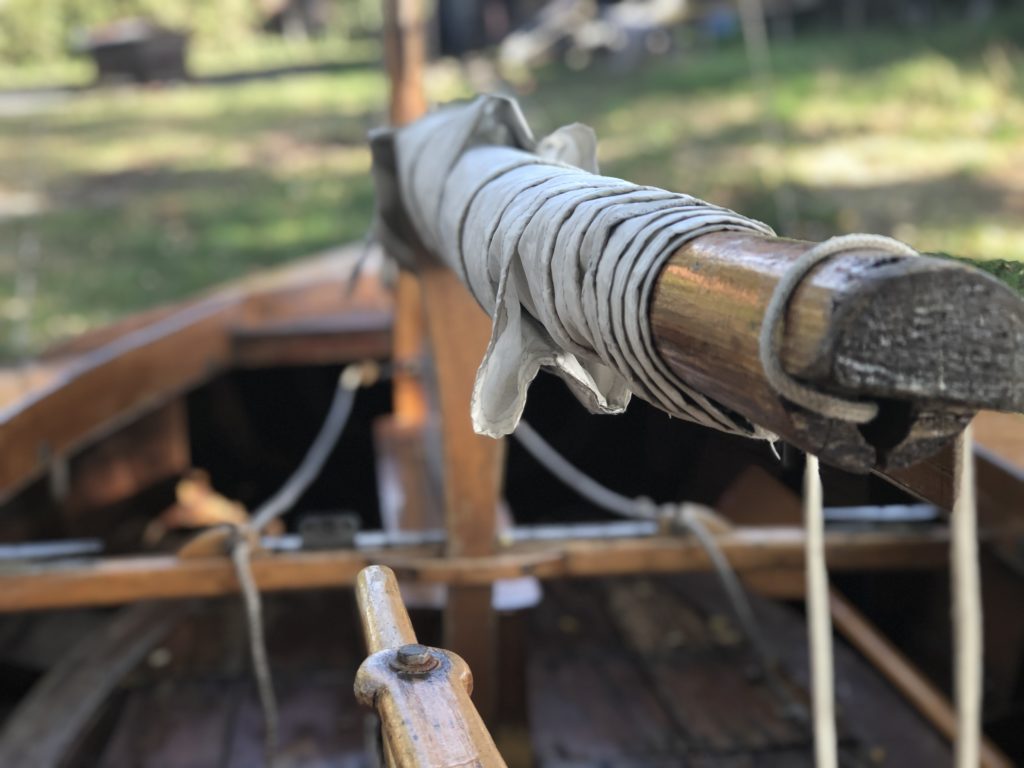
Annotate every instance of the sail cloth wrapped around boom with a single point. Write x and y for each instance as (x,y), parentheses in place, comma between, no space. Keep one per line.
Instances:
(562,259)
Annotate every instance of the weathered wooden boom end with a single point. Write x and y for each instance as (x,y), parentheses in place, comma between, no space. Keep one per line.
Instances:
(931,340)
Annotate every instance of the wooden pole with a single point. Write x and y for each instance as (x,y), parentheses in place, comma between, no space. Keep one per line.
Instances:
(930,340)
(385,621)
(420,693)
(473,465)
(404,55)
(458,334)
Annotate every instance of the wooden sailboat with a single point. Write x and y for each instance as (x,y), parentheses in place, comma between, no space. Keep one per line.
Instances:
(633,656)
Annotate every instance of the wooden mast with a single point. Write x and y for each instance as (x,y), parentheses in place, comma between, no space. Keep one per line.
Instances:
(458,332)
(404,54)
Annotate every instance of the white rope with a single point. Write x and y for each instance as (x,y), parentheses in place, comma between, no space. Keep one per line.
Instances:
(819,621)
(240,556)
(966,589)
(966,583)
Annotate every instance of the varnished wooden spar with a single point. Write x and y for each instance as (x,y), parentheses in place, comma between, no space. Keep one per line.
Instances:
(472,464)
(931,340)
(422,694)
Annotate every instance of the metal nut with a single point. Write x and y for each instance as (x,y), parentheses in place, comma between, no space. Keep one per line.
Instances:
(414,659)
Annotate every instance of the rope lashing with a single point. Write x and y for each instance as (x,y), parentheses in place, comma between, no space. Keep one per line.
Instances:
(966,583)
(564,260)
(351,378)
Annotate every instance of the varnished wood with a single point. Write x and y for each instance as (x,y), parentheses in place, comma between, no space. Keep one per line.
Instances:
(117,580)
(405,54)
(383,616)
(111,377)
(942,338)
(404,58)
(408,394)
(408,476)
(458,331)
(151,450)
(427,718)
(338,337)
(108,388)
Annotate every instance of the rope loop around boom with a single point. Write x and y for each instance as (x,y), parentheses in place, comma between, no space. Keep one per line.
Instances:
(769,342)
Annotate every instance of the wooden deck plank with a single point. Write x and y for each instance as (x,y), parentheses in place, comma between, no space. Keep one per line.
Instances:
(57,711)
(671,685)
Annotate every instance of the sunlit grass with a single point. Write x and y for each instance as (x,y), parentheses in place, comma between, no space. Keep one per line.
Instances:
(890,133)
(121,198)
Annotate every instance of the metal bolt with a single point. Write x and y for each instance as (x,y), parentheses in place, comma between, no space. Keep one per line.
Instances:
(414,659)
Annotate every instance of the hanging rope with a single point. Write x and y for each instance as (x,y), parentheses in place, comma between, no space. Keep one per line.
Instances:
(819,621)
(351,378)
(966,586)
(687,515)
(966,589)
(240,554)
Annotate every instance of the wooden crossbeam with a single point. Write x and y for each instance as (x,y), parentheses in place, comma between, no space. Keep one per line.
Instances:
(118,580)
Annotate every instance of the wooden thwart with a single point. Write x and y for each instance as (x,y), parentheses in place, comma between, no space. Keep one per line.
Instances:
(113,581)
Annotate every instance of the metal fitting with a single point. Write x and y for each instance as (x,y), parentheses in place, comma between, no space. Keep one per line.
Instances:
(414,659)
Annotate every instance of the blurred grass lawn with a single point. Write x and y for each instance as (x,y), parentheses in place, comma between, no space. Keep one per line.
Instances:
(118,199)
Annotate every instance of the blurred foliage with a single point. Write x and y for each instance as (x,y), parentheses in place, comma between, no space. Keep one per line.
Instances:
(916,135)
(132,197)
(117,199)
(44,32)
